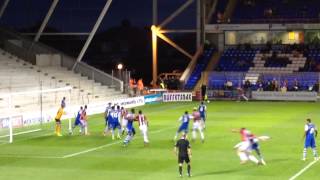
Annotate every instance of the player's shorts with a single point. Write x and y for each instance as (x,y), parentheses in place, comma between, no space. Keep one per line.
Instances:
(114,125)
(243,146)
(84,123)
(197,125)
(203,116)
(143,128)
(182,159)
(183,127)
(310,143)
(77,122)
(124,122)
(58,121)
(255,146)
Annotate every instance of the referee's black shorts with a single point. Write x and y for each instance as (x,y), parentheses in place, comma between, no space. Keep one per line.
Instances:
(182,159)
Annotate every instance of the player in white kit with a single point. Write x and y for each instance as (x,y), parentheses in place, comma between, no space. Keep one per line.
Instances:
(143,126)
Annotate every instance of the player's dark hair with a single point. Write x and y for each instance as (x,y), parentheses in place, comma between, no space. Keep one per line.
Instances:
(186,112)
(309,120)
(112,107)
(118,107)
(85,106)
(132,110)
(81,107)
(140,112)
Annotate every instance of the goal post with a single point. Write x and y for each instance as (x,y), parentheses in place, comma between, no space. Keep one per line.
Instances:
(27,112)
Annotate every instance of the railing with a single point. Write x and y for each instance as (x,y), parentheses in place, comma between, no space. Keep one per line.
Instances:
(99,76)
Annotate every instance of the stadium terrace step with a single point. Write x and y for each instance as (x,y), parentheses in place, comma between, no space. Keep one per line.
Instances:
(17,75)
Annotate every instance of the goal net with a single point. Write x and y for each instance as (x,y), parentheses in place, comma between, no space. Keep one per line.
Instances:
(29,114)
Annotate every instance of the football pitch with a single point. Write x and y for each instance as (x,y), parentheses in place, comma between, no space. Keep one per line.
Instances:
(40,155)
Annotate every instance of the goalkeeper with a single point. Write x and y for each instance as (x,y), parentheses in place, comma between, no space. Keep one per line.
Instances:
(58,120)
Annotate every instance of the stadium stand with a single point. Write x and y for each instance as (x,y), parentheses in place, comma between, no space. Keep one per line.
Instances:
(285,65)
(263,11)
(201,64)
(17,75)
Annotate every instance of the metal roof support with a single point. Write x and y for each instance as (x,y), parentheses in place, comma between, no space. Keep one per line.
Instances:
(93,32)
(3,7)
(46,20)
(176,13)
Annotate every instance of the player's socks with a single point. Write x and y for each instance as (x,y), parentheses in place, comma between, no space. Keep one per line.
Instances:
(304,154)
(315,154)
(58,130)
(253,159)
(202,135)
(189,170)
(112,134)
(180,170)
(263,162)
(194,135)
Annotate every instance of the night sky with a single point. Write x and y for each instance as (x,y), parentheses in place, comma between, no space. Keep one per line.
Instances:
(80,15)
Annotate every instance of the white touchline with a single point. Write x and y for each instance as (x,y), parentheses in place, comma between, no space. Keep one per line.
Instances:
(107,145)
(303,170)
(24,132)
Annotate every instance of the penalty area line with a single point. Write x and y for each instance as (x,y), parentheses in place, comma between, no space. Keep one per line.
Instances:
(303,170)
(107,145)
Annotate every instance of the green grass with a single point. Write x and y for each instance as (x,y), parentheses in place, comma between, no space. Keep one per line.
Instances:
(38,155)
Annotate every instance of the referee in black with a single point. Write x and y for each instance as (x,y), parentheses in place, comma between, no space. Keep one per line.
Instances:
(183,150)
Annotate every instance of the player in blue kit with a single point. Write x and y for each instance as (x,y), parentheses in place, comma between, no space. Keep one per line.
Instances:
(77,121)
(106,117)
(130,116)
(310,132)
(185,118)
(203,113)
(113,122)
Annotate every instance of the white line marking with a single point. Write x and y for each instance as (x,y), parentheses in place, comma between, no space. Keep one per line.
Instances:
(24,132)
(107,145)
(303,170)
(29,157)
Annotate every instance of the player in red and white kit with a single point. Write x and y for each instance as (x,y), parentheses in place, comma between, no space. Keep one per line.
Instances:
(244,147)
(124,120)
(197,125)
(143,126)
